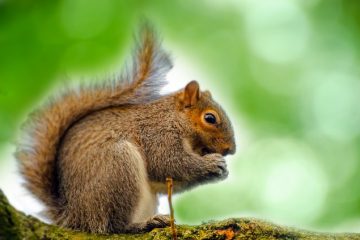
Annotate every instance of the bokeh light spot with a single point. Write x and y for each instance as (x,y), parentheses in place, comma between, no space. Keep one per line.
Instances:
(291,186)
(336,106)
(278,31)
(295,187)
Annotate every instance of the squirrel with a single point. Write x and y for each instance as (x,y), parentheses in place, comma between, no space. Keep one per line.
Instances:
(98,156)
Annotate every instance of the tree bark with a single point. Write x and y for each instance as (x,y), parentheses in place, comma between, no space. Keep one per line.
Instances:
(16,225)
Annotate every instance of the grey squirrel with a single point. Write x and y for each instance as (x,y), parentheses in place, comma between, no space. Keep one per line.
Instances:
(98,156)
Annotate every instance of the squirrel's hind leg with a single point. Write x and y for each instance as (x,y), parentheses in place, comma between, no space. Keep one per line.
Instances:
(111,192)
(142,217)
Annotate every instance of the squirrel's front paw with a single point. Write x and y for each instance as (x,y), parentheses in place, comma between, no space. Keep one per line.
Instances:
(216,166)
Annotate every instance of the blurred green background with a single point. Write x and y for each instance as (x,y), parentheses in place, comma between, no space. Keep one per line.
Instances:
(287,71)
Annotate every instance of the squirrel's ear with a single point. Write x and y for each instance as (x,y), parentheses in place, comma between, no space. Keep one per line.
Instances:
(207,93)
(191,94)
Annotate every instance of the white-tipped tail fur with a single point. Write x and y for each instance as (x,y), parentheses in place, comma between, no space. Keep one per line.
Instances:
(37,150)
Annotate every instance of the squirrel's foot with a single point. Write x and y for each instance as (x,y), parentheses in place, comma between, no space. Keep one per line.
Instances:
(157,221)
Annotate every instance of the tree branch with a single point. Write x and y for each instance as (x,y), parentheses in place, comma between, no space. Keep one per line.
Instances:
(16,225)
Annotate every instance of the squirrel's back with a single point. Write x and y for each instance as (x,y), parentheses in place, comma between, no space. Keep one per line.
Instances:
(38,147)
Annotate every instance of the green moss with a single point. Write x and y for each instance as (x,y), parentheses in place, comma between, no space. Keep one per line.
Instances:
(16,225)
(8,220)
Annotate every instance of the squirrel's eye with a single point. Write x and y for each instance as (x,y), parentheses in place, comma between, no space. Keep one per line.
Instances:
(210,118)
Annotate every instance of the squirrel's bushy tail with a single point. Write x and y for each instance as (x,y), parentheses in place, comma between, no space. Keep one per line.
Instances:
(37,150)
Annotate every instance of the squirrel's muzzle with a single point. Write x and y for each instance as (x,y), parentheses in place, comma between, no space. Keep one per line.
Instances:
(228,149)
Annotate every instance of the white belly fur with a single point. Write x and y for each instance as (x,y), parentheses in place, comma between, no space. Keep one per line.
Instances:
(147,204)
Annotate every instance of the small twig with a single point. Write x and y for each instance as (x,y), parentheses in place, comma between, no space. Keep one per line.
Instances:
(169,183)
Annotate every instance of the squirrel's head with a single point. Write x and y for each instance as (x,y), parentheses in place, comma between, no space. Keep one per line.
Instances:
(211,126)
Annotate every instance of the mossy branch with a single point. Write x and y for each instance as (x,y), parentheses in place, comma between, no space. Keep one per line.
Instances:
(16,225)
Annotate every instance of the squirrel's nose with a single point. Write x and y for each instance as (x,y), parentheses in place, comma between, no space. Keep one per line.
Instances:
(228,150)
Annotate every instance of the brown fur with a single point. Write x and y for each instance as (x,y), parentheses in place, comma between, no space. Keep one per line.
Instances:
(96,154)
